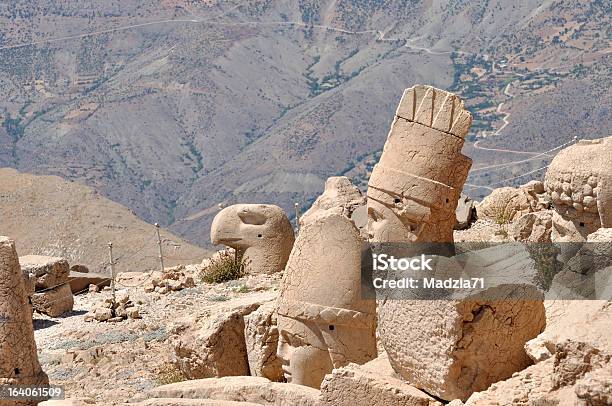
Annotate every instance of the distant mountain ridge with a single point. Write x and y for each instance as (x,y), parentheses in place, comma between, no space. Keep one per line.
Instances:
(172,108)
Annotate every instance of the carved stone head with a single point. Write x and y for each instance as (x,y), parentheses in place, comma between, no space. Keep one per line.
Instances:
(260,232)
(414,188)
(323,321)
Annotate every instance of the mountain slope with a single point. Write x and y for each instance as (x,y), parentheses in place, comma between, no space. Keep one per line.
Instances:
(171,108)
(46,215)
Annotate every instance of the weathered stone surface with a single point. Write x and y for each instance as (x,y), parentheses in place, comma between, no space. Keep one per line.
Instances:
(215,346)
(79,281)
(18,358)
(465,212)
(48,271)
(261,337)
(533,227)
(414,188)
(323,320)
(595,387)
(192,402)
(579,181)
(68,402)
(506,204)
(340,197)
(54,302)
(565,379)
(240,388)
(453,347)
(371,384)
(581,320)
(260,232)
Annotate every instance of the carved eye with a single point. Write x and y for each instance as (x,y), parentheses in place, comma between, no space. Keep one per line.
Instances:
(251,217)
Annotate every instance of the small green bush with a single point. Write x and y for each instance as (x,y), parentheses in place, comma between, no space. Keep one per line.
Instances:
(228,266)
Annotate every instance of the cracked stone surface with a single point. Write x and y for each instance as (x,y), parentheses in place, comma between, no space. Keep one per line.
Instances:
(261,337)
(18,357)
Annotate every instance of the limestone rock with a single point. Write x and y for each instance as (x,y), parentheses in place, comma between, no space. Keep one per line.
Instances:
(80,281)
(595,387)
(103,314)
(565,379)
(48,271)
(581,320)
(240,388)
(19,360)
(54,302)
(506,204)
(579,181)
(260,232)
(414,188)
(261,337)
(192,402)
(371,384)
(465,212)
(340,197)
(216,346)
(533,227)
(323,320)
(455,346)
(79,268)
(68,402)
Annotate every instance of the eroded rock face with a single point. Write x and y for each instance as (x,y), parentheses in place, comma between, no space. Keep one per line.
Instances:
(414,188)
(579,181)
(261,336)
(340,197)
(574,376)
(54,302)
(260,232)
(18,358)
(48,271)
(323,321)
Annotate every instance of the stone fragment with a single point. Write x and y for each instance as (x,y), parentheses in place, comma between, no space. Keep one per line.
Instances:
(564,379)
(48,271)
(585,169)
(453,346)
(68,402)
(465,212)
(340,197)
(261,335)
(533,227)
(261,233)
(215,346)
(192,402)
(79,268)
(103,314)
(18,357)
(371,384)
(80,282)
(414,189)
(323,320)
(506,204)
(53,302)
(240,388)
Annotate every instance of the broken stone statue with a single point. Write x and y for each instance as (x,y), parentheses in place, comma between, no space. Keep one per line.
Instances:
(261,233)
(323,321)
(414,188)
(18,358)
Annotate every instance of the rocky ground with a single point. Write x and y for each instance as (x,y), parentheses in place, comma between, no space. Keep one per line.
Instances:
(111,362)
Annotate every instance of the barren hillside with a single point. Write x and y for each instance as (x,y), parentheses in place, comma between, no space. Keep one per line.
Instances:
(170,108)
(47,215)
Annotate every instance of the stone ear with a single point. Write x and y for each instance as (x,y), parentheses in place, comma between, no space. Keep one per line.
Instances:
(252,217)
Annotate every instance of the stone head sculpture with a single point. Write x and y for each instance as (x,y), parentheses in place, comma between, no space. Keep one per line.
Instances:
(323,321)
(414,188)
(260,232)
(18,358)
(579,181)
